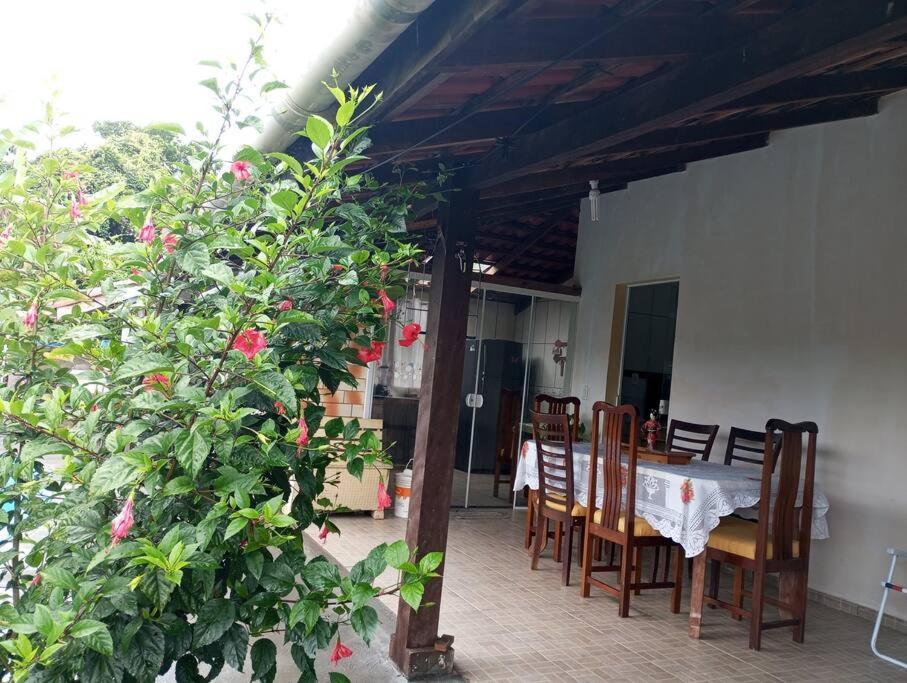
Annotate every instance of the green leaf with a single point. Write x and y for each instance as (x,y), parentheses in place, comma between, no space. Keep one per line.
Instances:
(306,611)
(285,199)
(319,130)
(345,112)
(321,575)
(177,485)
(236,525)
(337,677)
(278,577)
(192,449)
(430,562)
(264,659)
(362,593)
(412,594)
(254,563)
(56,575)
(114,473)
(157,588)
(364,622)
(370,568)
(168,127)
(276,386)
(236,646)
(396,554)
(195,258)
(214,618)
(145,654)
(333,428)
(144,364)
(96,635)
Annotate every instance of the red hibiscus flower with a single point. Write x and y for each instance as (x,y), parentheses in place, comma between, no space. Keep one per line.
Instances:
(372,354)
(323,534)
(384,500)
(285,305)
(280,408)
(35,582)
(147,233)
(170,241)
(122,523)
(156,381)
(303,437)
(240,170)
(341,651)
(31,316)
(386,302)
(385,269)
(411,333)
(75,213)
(249,343)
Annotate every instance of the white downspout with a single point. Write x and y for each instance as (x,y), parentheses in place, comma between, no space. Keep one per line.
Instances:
(370,28)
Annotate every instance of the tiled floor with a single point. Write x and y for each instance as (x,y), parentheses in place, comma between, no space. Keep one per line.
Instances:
(513,624)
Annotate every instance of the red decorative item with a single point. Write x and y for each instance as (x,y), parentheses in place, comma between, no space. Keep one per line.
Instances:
(650,428)
(411,332)
(686,491)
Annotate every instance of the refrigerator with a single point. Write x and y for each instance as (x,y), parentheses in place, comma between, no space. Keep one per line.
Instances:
(501,365)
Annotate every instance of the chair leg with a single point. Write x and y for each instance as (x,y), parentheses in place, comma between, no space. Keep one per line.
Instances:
(567,560)
(714,578)
(558,533)
(637,569)
(586,565)
(656,557)
(497,478)
(537,546)
(678,577)
(597,548)
(581,527)
(756,610)
(626,571)
(739,576)
(697,593)
(802,590)
(530,513)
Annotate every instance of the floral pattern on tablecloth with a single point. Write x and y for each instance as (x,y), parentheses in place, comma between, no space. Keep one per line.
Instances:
(714,491)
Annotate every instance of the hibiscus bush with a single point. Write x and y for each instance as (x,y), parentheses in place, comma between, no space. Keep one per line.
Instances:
(162,439)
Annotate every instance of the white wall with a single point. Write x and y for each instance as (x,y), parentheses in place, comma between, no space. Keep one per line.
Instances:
(550,321)
(793,290)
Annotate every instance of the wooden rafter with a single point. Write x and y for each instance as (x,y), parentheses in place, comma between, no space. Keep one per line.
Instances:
(836,30)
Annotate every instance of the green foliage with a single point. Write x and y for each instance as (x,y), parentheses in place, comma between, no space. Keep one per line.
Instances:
(159,407)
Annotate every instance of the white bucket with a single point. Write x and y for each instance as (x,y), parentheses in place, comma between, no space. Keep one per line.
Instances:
(402,491)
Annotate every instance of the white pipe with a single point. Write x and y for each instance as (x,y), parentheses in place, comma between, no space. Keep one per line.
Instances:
(370,28)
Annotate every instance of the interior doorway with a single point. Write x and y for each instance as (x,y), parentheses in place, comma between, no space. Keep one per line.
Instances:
(647,351)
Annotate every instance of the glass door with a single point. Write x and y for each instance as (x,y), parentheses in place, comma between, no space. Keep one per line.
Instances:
(648,351)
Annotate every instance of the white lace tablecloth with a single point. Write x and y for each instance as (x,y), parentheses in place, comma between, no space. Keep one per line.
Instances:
(683,502)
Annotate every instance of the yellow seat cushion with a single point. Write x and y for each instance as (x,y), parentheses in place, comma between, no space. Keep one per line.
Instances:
(640,526)
(738,537)
(559,503)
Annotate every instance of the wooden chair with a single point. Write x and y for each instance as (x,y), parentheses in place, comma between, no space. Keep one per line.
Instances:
(616,522)
(777,543)
(743,445)
(507,439)
(689,437)
(564,405)
(550,405)
(554,450)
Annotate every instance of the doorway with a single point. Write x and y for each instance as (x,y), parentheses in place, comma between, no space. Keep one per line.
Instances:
(647,351)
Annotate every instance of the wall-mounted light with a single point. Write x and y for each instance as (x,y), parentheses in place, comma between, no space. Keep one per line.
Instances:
(594,195)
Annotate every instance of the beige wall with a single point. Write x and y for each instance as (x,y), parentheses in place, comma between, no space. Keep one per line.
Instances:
(793,289)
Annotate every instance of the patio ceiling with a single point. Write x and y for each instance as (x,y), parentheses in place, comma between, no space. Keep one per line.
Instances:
(531,99)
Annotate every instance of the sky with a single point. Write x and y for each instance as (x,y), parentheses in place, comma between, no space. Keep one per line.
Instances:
(138,61)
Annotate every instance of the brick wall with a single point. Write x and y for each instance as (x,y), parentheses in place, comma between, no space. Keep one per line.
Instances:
(349,401)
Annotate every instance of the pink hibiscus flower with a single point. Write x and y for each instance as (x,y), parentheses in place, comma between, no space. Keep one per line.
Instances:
(240,170)
(122,523)
(249,343)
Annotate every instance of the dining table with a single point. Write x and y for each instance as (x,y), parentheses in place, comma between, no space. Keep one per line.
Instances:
(682,502)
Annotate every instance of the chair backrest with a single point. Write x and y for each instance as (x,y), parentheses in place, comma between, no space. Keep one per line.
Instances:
(507,428)
(748,445)
(554,450)
(554,405)
(689,437)
(607,425)
(779,515)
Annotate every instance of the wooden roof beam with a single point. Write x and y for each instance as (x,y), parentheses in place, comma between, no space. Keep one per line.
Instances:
(522,43)
(819,36)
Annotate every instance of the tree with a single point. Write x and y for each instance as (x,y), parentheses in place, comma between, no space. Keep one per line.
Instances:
(175,380)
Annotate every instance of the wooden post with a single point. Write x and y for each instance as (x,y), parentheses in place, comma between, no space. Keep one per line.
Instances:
(412,647)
